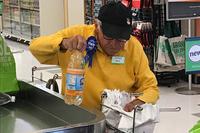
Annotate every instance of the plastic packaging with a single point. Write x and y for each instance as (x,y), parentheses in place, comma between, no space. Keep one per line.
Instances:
(75,79)
(5,98)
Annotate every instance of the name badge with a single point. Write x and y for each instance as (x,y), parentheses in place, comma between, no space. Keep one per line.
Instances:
(118,60)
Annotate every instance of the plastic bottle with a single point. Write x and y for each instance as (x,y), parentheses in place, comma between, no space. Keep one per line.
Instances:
(75,79)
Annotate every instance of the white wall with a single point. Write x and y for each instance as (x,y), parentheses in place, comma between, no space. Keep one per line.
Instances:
(75,12)
(58,14)
(51,16)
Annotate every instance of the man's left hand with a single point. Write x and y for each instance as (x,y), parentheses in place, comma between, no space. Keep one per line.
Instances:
(131,105)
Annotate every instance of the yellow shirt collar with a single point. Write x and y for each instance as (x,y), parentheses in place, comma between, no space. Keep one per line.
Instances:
(120,52)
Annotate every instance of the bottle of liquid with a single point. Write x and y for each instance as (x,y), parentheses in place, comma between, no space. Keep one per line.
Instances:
(75,79)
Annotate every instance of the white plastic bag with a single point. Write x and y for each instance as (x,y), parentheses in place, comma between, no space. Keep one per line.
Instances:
(114,103)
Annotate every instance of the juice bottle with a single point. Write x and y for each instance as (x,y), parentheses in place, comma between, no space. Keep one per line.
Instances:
(75,79)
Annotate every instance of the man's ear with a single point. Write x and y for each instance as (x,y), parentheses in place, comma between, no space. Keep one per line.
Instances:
(96,24)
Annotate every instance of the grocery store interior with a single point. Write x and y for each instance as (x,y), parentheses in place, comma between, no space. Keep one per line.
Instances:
(24,20)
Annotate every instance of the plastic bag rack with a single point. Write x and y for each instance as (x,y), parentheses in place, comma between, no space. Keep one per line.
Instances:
(145,127)
(51,83)
(116,130)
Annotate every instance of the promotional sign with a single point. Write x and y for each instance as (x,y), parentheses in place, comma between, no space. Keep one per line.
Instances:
(192,54)
(182,9)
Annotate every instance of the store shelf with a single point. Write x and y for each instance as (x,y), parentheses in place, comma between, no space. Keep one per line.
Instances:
(21,39)
(13,6)
(31,24)
(20,17)
(33,9)
(18,21)
(32,18)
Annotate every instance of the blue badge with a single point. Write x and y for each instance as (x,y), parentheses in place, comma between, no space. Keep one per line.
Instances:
(90,49)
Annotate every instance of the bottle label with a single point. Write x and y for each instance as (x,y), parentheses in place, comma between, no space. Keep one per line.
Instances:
(74,81)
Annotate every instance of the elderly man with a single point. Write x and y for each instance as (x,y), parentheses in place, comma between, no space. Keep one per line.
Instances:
(119,62)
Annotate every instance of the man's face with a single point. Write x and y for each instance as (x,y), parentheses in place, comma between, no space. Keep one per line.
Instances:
(109,45)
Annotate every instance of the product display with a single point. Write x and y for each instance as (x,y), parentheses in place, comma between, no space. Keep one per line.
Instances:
(21,18)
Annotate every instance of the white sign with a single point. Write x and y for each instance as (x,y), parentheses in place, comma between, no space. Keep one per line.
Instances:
(194,53)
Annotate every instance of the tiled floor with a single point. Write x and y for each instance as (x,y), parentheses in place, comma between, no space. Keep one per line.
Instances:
(170,122)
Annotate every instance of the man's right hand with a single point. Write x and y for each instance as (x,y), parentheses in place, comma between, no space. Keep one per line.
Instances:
(76,42)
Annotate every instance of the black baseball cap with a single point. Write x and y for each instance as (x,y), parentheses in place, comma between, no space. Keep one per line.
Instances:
(116,20)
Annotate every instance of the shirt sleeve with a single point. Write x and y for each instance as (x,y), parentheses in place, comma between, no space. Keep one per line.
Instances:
(145,79)
(46,48)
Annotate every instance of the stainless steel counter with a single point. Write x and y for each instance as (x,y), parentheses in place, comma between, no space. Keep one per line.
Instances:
(36,110)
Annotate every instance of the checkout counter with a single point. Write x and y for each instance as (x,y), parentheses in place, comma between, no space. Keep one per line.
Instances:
(38,110)
(41,110)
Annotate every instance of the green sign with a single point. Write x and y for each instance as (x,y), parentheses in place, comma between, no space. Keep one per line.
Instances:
(192,54)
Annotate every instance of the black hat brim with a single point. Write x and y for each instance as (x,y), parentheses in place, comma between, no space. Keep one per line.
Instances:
(116,31)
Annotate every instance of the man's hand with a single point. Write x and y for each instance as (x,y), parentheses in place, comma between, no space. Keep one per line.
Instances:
(131,105)
(74,43)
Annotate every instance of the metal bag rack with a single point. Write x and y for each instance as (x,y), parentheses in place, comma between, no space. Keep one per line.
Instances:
(50,82)
(116,130)
(137,109)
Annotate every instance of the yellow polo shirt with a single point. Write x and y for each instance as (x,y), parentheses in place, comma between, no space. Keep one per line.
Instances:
(134,75)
